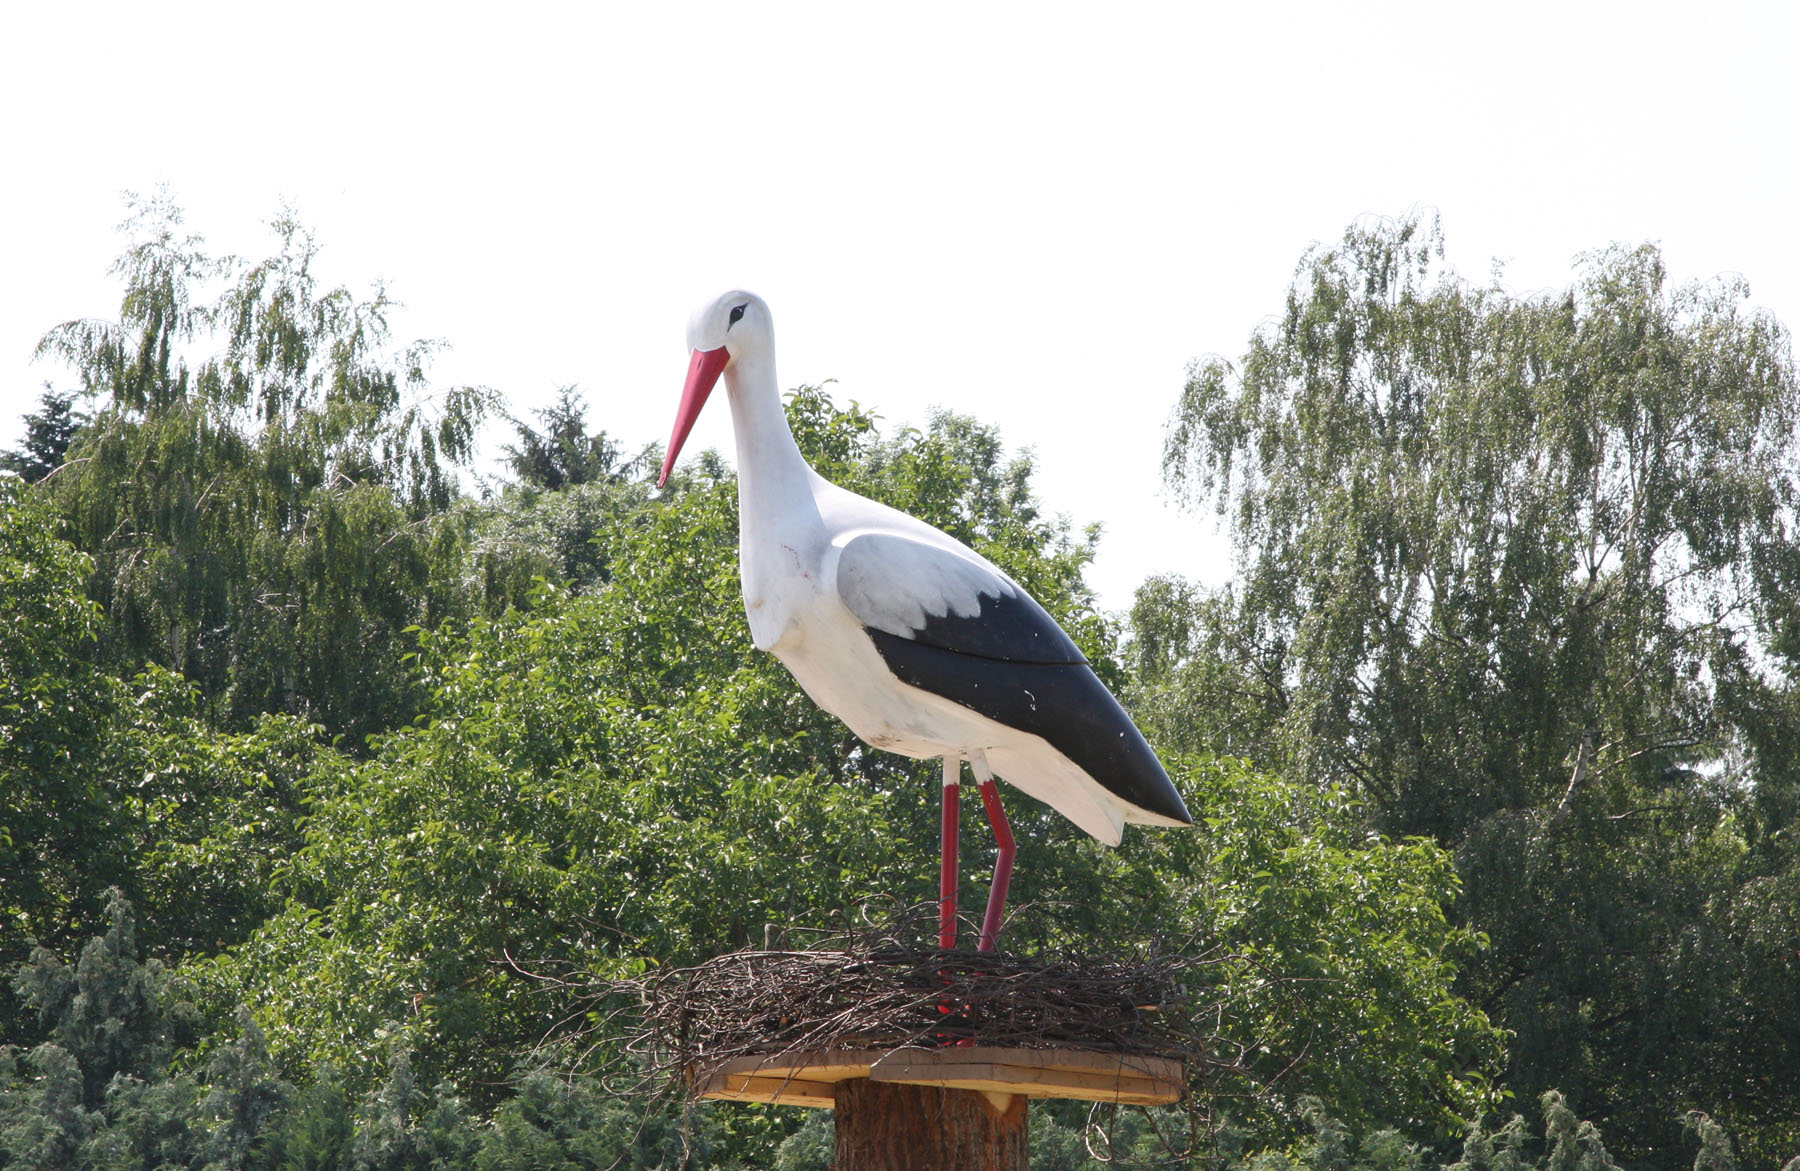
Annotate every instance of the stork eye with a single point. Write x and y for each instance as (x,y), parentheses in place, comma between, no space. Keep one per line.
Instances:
(737,315)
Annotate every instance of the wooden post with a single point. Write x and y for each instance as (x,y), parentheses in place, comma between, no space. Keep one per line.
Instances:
(893,1126)
(948,1108)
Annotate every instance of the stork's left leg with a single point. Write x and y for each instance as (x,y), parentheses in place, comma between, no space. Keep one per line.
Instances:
(1003,864)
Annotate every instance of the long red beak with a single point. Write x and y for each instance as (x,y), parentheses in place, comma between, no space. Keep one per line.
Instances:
(703,374)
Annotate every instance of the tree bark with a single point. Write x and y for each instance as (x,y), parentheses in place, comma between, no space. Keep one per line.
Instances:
(886,1126)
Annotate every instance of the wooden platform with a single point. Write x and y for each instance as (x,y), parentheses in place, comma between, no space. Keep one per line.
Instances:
(811,1079)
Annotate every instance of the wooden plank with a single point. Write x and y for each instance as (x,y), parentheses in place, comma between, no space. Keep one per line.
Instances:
(807,1079)
(1036,1083)
(816,1067)
(1038,1073)
(782,1091)
(1039,1083)
(1159,1068)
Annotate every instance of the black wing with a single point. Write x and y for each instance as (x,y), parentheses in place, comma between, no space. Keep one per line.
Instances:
(1065,703)
(991,648)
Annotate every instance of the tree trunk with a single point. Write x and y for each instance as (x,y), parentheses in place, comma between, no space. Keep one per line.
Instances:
(886,1126)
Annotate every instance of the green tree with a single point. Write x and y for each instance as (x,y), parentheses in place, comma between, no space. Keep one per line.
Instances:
(267,519)
(62,832)
(1342,959)
(48,433)
(107,783)
(1519,571)
(212,814)
(107,1012)
(571,486)
(564,454)
(243,1097)
(42,1120)
(110,783)
(315,1132)
(97,1092)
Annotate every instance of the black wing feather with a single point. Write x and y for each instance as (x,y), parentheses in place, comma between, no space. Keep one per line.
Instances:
(1063,702)
(1012,629)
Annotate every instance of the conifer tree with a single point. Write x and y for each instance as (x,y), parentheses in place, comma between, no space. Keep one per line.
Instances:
(48,432)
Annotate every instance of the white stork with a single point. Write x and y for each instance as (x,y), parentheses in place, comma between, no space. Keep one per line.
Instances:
(918,643)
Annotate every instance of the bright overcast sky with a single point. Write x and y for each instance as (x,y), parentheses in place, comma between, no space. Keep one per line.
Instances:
(1036,214)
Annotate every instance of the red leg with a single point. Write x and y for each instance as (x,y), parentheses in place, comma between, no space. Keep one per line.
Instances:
(996,908)
(947,877)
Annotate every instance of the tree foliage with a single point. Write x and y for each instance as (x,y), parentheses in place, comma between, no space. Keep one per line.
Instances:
(48,433)
(109,782)
(1521,572)
(264,516)
(564,453)
(63,837)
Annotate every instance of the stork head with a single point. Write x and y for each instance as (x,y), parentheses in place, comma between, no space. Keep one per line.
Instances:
(718,332)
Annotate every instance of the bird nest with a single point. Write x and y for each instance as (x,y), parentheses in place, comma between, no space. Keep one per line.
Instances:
(880,991)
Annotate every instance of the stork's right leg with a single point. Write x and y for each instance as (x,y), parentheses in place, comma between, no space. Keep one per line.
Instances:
(1003,861)
(947,876)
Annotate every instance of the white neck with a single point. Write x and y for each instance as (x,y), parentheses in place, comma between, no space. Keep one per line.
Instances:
(773,477)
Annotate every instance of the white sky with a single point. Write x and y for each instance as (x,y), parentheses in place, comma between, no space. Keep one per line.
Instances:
(1037,214)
